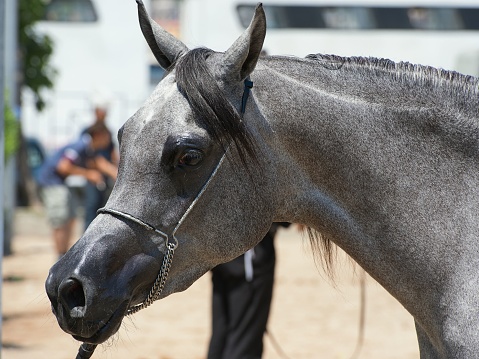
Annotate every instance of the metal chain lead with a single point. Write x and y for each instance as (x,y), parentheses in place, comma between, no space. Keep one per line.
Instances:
(160,281)
(86,349)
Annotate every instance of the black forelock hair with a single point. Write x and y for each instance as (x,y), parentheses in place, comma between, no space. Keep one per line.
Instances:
(212,109)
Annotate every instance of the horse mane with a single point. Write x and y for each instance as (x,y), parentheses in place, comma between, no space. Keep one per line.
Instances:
(213,111)
(463,89)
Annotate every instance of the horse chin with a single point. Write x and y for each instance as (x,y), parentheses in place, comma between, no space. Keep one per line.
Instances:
(106,330)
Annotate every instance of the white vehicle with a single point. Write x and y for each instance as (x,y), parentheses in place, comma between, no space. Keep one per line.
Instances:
(101,57)
(430,32)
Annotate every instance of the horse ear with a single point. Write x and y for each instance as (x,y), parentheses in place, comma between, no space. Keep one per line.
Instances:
(166,48)
(241,58)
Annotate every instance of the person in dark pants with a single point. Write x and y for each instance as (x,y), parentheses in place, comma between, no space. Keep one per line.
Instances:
(242,293)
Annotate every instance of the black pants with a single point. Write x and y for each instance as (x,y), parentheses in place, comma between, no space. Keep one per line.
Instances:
(240,310)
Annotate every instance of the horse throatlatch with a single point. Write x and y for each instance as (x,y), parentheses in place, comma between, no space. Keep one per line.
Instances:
(86,349)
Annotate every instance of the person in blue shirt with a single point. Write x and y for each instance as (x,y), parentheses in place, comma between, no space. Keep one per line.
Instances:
(77,158)
(96,196)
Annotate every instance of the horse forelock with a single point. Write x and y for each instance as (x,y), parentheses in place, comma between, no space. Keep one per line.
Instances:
(210,105)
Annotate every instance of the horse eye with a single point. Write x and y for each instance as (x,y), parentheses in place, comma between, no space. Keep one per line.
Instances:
(190,158)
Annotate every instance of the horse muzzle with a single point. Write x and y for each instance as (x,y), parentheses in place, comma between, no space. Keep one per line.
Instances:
(75,313)
(92,287)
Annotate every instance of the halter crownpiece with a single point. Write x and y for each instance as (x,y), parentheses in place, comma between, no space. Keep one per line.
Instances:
(248,85)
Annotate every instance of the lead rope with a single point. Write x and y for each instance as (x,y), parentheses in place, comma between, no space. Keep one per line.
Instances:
(86,349)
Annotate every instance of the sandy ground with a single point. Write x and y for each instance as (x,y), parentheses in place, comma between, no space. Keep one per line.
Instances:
(310,317)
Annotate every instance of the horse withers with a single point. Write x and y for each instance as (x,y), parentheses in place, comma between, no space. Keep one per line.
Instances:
(379,157)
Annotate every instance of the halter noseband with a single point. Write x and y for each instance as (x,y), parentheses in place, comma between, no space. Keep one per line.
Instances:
(171,245)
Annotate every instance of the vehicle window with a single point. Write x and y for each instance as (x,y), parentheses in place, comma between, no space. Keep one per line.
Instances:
(70,11)
(365,17)
(156,74)
(348,18)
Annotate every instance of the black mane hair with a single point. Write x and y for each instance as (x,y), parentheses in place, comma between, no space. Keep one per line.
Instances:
(462,88)
(210,105)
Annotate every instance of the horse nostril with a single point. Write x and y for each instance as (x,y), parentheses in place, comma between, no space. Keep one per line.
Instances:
(72,297)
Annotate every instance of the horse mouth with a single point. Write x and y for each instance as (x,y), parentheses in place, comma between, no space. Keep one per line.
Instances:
(107,329)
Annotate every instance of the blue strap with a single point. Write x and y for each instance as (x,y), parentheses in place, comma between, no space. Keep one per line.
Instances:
(248,85)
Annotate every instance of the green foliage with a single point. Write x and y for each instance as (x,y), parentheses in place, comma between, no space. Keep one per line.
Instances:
(11,131)
(35,51)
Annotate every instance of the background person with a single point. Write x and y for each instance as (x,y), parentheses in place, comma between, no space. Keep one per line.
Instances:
(71,160)
(96,195)
(242,293)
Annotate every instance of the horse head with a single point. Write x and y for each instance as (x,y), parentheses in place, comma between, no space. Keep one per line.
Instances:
(189,161)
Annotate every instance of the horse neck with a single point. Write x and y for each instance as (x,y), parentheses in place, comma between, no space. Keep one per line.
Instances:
(383,168)
(346,136)
(374,81)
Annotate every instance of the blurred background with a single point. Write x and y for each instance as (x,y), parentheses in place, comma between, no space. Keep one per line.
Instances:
(61,58)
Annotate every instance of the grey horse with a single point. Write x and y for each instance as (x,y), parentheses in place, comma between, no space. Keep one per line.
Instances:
(379,157)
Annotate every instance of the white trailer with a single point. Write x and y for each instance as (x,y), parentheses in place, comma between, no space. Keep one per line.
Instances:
(439,33)
(101,56)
